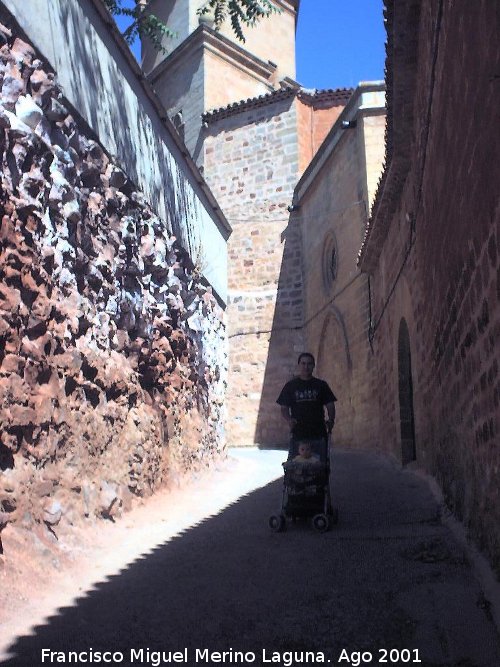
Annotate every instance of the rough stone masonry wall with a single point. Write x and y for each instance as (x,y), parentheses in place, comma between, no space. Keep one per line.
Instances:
(251,164)
(111,349)
(449,292)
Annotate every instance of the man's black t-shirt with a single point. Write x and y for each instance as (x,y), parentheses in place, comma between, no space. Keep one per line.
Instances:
(306,399)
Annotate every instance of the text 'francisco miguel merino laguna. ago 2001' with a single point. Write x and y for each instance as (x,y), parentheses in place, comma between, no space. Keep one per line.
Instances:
(208,657)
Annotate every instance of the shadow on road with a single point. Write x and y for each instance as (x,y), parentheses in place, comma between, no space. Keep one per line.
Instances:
(229,583)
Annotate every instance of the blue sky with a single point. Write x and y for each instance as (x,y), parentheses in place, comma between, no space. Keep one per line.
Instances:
(339,43)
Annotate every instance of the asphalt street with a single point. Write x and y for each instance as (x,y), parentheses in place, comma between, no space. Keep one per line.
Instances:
(389,585)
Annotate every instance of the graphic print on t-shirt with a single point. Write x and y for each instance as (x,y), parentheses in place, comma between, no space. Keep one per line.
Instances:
(306,400)
(306,395)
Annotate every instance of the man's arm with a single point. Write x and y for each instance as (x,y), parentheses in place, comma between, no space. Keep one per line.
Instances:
(285,413)
(330,408)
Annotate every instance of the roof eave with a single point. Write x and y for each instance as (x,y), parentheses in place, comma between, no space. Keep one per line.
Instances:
(402,20)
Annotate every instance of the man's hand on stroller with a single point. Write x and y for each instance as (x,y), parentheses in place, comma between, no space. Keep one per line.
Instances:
(329,425)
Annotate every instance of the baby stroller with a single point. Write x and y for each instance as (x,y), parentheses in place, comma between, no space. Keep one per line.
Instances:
(306,490)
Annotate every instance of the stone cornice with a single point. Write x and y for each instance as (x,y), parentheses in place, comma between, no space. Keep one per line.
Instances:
(291,6)
(231,52)
(205,37)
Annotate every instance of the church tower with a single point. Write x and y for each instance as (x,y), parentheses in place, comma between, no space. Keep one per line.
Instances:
(205,69)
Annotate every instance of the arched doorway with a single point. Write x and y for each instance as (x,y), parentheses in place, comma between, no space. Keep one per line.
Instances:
(333,364)
(406,415)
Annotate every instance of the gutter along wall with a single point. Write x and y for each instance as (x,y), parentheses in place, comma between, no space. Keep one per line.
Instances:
(112,345)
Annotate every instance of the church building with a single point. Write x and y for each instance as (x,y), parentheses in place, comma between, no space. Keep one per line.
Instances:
(254,131)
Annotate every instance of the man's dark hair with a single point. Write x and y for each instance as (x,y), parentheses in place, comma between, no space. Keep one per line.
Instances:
(306,354)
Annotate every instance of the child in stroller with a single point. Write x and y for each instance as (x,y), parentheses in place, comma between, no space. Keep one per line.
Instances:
(306,454)
(306,486)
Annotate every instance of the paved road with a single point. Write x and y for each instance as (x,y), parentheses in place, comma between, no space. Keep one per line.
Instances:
(389,577)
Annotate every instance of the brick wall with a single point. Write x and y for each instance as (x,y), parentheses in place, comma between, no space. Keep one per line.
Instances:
(449,288)
(314,123)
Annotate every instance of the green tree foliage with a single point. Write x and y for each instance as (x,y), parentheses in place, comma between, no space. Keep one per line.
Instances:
(240,12)
(145,24)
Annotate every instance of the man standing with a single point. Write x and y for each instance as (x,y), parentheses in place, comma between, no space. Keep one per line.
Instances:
(303,401)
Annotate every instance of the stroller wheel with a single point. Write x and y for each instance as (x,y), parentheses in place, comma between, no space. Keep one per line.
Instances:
(277,523)
(320,523)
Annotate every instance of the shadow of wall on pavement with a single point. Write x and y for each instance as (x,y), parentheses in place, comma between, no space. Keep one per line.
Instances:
(229,583)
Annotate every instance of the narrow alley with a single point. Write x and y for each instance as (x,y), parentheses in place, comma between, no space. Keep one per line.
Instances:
(389,585)
(175,235)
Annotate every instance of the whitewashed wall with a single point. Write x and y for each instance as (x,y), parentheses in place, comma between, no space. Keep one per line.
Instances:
(104,85)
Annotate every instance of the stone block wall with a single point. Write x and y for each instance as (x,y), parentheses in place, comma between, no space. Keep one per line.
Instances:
(251,163)
(193,80)
(438,268)
(373,129)
(272,39)
(112,348)
(333,200)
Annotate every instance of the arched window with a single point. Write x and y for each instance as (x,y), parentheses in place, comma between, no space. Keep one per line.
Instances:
(330,261)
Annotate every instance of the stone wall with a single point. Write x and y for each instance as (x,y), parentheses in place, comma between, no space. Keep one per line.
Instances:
(332,200)
(258,133)
(181,91)
(204,73)
(254,155)
(269,40)
(100,77)
(433,248)
(112,347)
(251,163)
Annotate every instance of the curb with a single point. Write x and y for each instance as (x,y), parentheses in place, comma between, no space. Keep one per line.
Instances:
(482,570)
